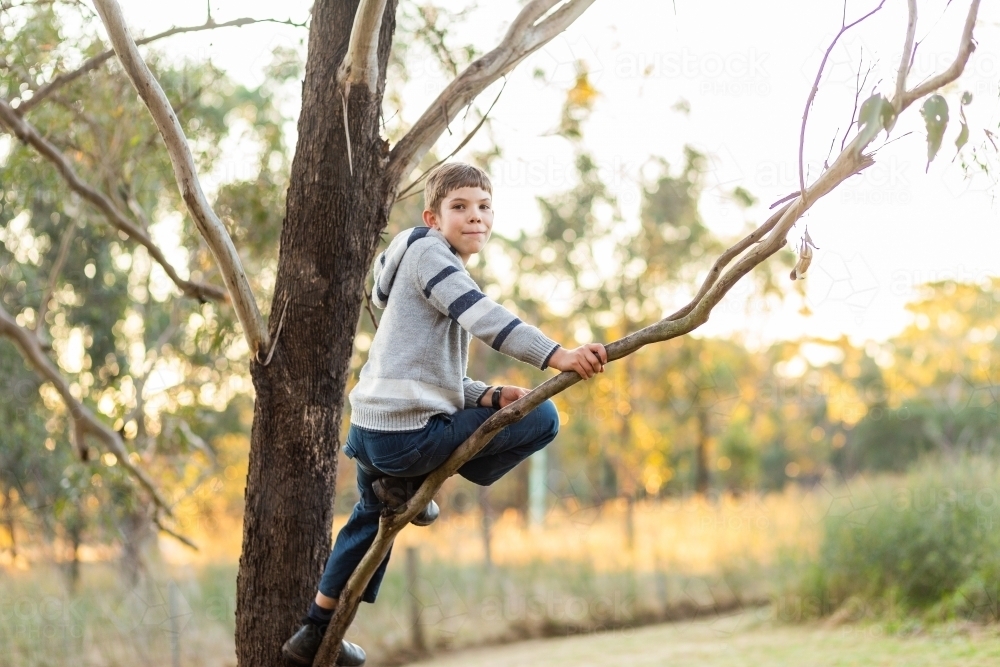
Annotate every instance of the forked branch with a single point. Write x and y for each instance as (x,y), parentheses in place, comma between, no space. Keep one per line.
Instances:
(185,172)
(118,219)
(528,33)
(746,254)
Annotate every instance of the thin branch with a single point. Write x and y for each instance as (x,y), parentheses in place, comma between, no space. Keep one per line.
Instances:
(277,334)
(528,33)
(347,133)
(815,88)
(859,85)
(177,536)
(360,64)
(406,192)
(752,250)
(29,135)
(909,51)
(85,422)
(185,172)
(98,60)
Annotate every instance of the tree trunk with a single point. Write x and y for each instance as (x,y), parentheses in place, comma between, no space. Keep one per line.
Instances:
(335,212)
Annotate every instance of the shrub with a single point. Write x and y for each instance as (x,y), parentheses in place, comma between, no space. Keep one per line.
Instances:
(928,541)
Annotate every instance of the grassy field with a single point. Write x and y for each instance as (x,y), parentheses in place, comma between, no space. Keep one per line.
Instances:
(574,574)
(743,640)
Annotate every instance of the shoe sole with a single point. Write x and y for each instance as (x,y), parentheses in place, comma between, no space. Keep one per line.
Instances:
(291,656)
(294,657)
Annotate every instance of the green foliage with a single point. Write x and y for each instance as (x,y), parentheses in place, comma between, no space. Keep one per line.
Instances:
(926,542)
(876,114)
(963,135)
(935,113)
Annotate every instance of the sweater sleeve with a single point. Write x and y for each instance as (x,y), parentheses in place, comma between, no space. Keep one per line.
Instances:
(474,390)
(447,287)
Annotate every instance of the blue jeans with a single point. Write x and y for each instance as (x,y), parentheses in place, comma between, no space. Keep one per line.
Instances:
(414,454)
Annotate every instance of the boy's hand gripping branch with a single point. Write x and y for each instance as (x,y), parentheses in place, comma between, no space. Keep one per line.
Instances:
(586,360)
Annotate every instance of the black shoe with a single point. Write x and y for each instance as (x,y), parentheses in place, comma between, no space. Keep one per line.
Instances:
(301,649)
(395,491)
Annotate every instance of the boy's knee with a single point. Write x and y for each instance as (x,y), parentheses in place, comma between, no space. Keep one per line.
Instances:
(548,417)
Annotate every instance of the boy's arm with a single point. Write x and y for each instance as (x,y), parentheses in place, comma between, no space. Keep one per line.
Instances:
(452,292)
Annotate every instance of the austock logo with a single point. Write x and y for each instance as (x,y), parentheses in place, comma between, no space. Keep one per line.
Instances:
(842,281)
(150,606)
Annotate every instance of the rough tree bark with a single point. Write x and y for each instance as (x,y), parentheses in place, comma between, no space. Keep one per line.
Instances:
(335,211)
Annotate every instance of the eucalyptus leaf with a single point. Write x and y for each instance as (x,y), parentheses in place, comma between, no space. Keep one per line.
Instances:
(963,135)
(876,115)
(935,113)
(963,138)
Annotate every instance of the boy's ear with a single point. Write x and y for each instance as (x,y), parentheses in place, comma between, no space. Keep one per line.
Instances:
(430,219)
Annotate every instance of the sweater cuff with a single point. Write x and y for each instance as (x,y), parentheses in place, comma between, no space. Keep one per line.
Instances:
(539,350)
(545,364)
(474,390)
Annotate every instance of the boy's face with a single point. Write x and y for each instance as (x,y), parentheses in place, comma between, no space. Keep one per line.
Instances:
(465,218)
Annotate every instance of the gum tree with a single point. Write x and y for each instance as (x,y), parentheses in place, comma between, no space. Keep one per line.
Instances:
(344,179)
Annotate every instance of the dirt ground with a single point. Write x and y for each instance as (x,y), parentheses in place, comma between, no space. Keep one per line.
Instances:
(743,640)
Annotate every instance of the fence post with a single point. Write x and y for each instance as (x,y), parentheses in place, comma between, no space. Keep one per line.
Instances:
(175,632)
(412,574)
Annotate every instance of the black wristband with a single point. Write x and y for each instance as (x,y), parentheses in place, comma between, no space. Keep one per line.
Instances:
(496,396)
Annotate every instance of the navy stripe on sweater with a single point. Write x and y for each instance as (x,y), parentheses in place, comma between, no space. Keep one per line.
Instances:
(444,273)
(502,336)
(463,303)
(417,234)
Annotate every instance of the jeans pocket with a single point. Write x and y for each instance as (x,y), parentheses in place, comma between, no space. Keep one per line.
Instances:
(393,453)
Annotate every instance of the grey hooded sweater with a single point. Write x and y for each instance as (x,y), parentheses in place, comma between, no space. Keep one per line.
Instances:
(417,362)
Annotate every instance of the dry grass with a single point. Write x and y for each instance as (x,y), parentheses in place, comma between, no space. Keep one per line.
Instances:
(573,574)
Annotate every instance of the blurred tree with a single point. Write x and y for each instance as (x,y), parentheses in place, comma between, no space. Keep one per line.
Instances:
(159,369)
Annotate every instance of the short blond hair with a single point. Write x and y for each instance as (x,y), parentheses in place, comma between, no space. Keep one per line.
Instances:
(450,177)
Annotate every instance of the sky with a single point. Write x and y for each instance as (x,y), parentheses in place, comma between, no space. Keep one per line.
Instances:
(745,70)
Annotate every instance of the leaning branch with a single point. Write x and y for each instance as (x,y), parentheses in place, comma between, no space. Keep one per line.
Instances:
(528,33)
(84,420)
(29,135)
(186,174)
(749,252)
(93,63)
(360,64)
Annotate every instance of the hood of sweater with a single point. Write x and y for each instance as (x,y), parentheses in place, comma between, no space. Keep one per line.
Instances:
(387,263)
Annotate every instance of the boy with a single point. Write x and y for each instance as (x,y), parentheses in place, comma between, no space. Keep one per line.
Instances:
(413,405)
